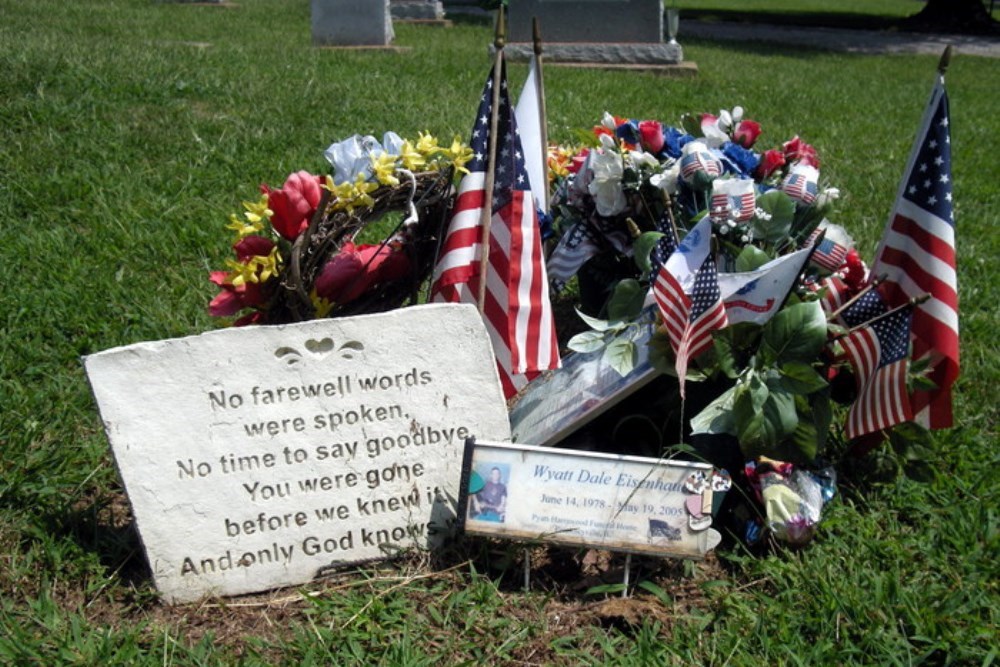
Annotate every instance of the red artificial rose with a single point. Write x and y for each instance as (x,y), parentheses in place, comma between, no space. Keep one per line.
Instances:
(651,135)
(770,162)
(250,246)
(294,204)
(746,133)
(799,151)
(854,271)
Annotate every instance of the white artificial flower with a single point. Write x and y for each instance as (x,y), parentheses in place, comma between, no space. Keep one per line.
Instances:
(606,187)
(725,121)
(608,143)
(668,180)
(392,143)
(737,114)
(608,121)
(643,159)
(827,196)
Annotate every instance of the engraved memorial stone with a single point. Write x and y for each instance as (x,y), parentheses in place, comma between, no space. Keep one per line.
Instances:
(351,23)
(259,457)
(592,31)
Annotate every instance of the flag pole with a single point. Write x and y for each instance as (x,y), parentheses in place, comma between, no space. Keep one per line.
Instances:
(491,158)
(912,303)
(536,34)
(854,299)
(945,61)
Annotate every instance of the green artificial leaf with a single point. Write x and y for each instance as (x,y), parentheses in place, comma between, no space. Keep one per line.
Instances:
(780,210)
(622,354)
(588,341)
(801,378)
(735,346)
(821,414)
(626,301)
(599,324)
(750,258)
(804,443)
(661,355)
(585,137)
(717,417)
(642,247)
(692,125)
(921,383)
(780,416)
(796,333)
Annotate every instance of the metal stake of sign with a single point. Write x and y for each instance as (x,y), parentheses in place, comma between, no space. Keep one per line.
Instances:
(628,567)
(527,570)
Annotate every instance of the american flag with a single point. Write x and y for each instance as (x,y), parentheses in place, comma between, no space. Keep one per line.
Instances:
(517,311)
(878,354)
(690,317)
(699,161)
(800,184)
(828,254)
(575,247)
(869,306)
(836,295)
(917,253)
(665,246)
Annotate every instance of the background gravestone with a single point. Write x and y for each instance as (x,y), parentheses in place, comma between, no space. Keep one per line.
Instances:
(430,10)
(351,23)
(599,31)
(261,457)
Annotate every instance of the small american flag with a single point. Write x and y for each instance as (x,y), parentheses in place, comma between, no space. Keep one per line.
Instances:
(917,254)
(797,186)
(575,247)
(665,246)
(517,312)
(828,254)
(699,161)
(690,318)
(836,295)
(878,353)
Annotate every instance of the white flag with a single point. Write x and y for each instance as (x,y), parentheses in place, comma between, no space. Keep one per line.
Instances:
(755,296)
(529,124)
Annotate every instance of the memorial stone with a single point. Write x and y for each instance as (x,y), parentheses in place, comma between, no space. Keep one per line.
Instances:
(421,10)
(598,31)
(262,457)
(351,23)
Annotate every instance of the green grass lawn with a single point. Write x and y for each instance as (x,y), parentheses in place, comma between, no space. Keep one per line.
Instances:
(130,129)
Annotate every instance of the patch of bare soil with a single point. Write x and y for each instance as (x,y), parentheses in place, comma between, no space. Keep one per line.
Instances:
(566,577)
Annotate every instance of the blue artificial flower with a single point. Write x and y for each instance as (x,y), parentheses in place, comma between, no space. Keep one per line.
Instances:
(674,140)
(545,224)
(739,160)
(629,132)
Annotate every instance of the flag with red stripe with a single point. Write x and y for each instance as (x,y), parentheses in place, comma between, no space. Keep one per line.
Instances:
(687,292)
(917,254)
(517,311)
(878,353)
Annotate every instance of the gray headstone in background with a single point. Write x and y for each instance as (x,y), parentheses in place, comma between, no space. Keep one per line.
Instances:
(261,457)
(351,23)
(587,20)
(417,9)
(627,32)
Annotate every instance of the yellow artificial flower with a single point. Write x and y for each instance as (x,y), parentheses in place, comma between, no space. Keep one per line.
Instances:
(258,210)
(427,144)
(410,158)
(384,167)
(321,306)
(256,269)
(353,195)
(243,228)
(460,154)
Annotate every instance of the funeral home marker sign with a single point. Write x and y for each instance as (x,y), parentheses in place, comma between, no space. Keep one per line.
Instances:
(259,457)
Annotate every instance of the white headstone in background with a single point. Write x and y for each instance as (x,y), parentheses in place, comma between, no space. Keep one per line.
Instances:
(259,457)
(351,23)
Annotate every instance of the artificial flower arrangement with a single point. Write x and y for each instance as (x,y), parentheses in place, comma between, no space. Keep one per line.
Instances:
(296,251)
(770,379)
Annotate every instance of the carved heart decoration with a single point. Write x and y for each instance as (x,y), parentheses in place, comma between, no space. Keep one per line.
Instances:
(320,347)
